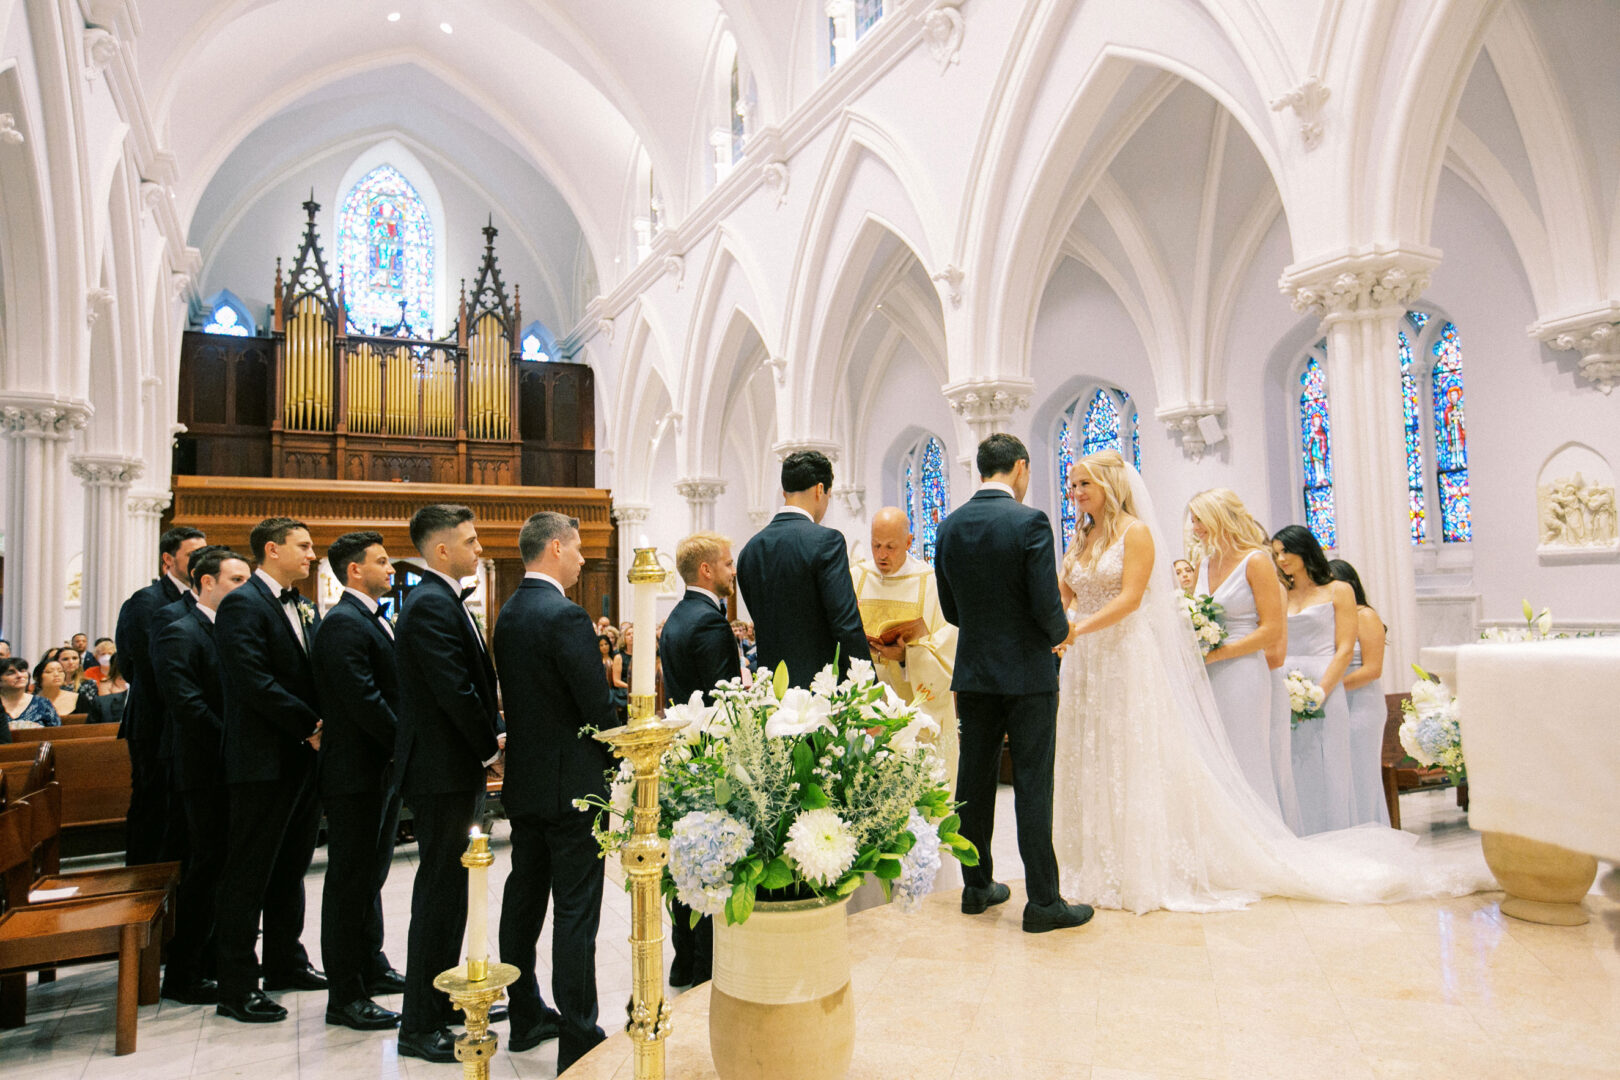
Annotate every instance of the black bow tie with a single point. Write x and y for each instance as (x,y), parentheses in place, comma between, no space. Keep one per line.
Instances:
(468,591)
(378,613)
(288,596)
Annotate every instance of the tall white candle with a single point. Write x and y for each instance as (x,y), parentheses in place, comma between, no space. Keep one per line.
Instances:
(477,910)
(642,677)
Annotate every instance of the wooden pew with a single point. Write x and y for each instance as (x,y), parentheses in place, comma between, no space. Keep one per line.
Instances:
(1400,773)
(92,764)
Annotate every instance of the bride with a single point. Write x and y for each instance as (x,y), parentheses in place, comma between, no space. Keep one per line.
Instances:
(1152,808)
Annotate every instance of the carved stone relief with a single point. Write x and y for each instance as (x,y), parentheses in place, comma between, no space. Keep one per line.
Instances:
(1575,507)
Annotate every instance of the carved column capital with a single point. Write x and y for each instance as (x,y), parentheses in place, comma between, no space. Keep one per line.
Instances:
(625,514)
(1198,425)
(853,497)
(1595,336)
(42,416)
(1358,284)
(760,518)
(700,490)
(106,470)
(783,449)
(988,404)
(149,504)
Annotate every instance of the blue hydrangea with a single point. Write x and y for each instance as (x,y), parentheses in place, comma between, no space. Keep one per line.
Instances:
(704,846)
(1436,733)
(917,866)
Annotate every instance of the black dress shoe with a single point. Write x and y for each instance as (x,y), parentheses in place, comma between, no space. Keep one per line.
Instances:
(252,1008)
(974,901)
(303,979)
(362,1015)
(497,1014)
(389,982)
(549,1026)
(192,991)
(1040,918)
(437,1045)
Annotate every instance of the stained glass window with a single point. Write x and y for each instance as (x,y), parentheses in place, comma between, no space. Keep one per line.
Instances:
(225,320)
(1068,516)
(928,495)
(1412,419)
(532,349)
(1102,424)
(1132,417)
(867,13)
(1316,453)
(1450,437)
(385,254)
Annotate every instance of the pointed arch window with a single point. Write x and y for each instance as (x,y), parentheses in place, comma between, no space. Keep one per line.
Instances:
(1412,421)
(385,255)
(1450,437)
(1316,452)
(225,319)
(928,494)
(536,343)
(1105,419)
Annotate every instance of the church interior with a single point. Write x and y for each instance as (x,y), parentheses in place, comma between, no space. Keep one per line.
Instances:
(618,259)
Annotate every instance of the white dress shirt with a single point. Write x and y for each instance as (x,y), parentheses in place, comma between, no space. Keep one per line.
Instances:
(181,585)
(789,508)
(455,587)
(997,485)
(208,612)
(371,606)
(707,595)
(538,575)
(289,608)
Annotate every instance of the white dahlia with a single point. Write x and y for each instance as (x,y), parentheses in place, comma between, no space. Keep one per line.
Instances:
(821,844)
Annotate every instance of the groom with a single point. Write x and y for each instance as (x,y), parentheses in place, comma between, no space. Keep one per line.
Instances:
(997,575)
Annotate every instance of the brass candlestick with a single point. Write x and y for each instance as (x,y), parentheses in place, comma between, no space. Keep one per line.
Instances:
(478,984)
(642,742)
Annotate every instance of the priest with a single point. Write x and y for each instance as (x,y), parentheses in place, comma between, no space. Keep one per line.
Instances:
(913,647)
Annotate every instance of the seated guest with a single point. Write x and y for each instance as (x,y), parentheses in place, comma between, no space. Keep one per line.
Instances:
(73,677)
(94,661)
(5,649)
(613,668)
(108,705)
(1367,709)
(50,686)
(23,708)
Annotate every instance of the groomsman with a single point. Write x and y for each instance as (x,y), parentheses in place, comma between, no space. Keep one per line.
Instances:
(357,683)
(188,665)
(997,574)
(795,576)
(697,650)
(448,734)
(143,722)
(272,729)
(553,687)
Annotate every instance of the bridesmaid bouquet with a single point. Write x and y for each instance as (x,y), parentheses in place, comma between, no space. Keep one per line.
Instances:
(785,793)
(1430,732)
(1305,698)
(1204,616)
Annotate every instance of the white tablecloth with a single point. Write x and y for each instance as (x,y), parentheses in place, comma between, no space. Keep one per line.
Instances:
(1541,735)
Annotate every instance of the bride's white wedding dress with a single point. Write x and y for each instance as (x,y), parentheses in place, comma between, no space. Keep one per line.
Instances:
(1151,807)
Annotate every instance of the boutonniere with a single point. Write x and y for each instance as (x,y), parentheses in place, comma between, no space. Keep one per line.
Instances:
(306,612)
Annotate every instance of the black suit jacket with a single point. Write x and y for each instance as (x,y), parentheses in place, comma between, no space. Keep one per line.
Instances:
(795,576)
(552,684)
(143,713)
(270,701)
(161,619)
(357,682)
(194,690)
(697,649)
(449,715)
(997,574)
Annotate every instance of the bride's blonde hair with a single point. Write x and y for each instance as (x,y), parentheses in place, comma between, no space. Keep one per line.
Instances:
(1227,523)
(1108,471)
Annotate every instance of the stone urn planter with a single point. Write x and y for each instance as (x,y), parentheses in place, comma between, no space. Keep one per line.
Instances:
(781,1007)
(1544,882)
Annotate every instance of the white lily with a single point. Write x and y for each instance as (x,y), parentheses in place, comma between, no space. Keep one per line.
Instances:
(699,717)
(799,712)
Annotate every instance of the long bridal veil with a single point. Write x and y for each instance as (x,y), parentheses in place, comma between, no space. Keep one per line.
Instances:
(1241,847)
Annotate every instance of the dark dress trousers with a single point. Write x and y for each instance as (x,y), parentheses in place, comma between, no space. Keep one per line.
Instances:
(552,685)
(997,575)
(357,682)
(795,576)
(447,727)
(174,846)
(271,709)
(142,724)
(697,650)
(194,690)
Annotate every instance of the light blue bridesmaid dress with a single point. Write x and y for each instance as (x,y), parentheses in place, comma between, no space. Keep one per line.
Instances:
(1321,748)
(1282,752)
(1367,717)
(1242,685)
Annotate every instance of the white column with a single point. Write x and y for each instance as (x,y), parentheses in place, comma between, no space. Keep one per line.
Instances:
(141,536)
(39,426)
(106,582)
(1361,300)
(986,406)
(629,517)
(700,495)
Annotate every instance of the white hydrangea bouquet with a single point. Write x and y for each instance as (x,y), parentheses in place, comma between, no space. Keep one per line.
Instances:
(1305,698)
(1206,618)
(782,793)
(1430,732)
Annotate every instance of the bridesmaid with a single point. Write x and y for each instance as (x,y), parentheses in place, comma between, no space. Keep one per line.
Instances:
(1367,710)
(1321,641)
(1282,737)
(1237,571)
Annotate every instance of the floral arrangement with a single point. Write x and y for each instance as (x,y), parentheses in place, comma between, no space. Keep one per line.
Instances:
(1205,616)
(1430,732)
(783,793)
(1305,698)
(1536,628)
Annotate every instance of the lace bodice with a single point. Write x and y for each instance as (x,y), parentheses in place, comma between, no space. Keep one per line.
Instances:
(1097,585)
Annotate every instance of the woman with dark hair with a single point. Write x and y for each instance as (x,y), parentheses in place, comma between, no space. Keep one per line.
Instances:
(1366,699)
(108,706)
(74,677)
(50,684)
(22,708)
(1321,642)
(613,668)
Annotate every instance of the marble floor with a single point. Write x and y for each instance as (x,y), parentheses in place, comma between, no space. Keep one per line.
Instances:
(1283,989)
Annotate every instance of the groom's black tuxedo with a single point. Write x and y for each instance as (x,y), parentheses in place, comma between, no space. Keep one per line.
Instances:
(997,574)
(795,576)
